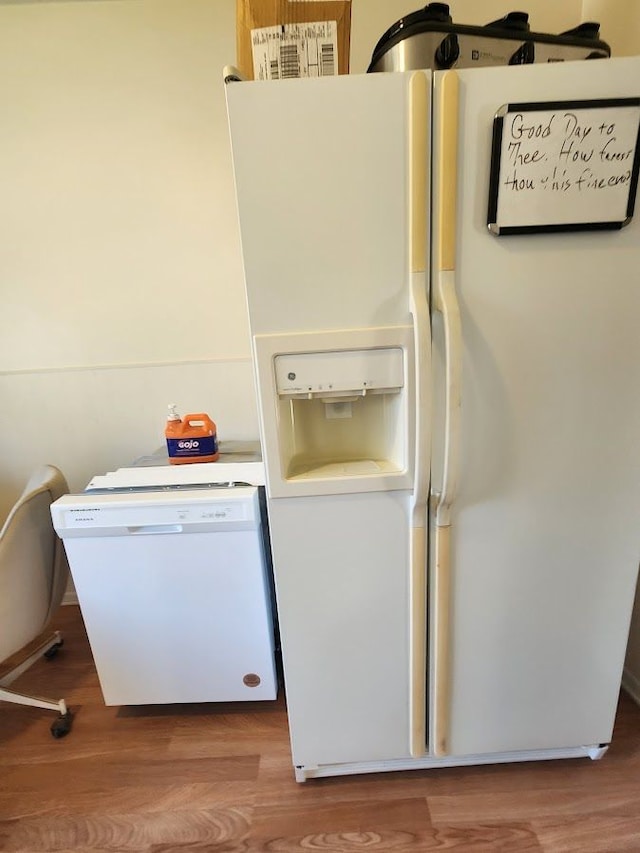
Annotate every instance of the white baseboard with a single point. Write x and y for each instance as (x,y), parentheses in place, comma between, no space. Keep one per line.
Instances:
(70,597)
(631,684)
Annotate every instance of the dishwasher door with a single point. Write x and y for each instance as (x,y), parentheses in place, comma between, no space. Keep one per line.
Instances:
(175,593)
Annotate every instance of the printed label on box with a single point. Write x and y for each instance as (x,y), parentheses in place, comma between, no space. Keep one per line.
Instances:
(295,50)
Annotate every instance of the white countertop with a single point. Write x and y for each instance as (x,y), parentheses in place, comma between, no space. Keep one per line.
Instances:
(239,462)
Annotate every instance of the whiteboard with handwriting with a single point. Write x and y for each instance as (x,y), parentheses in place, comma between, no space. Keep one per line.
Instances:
(564,166)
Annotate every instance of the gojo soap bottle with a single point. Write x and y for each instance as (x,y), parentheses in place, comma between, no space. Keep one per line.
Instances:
(190,439)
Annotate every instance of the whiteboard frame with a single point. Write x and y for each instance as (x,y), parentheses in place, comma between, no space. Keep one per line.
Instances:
(496,149)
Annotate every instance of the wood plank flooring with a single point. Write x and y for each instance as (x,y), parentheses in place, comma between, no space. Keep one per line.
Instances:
(219,778)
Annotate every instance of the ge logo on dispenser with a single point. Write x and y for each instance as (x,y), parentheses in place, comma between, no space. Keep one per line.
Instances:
(188,445)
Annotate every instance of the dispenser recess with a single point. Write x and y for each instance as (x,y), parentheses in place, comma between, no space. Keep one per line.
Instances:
(340,420)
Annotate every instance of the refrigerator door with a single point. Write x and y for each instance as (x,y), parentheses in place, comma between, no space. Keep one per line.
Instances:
(343,593)
(544,537)
(323,172)
(320,173)
(332,180)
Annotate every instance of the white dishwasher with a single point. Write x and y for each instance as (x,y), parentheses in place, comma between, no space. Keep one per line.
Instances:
(173,584)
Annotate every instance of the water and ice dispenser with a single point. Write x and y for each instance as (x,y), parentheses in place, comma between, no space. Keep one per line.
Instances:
(340,414)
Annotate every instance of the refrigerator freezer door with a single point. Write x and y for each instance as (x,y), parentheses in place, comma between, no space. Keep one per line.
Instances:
(324,199)
(332,179)
(342,586)
(544,542)
(320,168)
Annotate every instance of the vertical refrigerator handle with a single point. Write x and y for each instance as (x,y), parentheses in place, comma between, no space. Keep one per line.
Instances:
(418,206)
(446,302)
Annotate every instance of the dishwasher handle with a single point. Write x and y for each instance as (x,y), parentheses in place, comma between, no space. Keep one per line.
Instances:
(153,529)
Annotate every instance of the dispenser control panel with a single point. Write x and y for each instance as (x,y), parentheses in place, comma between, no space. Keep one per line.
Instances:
(339,372)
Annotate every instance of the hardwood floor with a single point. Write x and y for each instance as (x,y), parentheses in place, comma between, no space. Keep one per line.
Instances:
(219,778)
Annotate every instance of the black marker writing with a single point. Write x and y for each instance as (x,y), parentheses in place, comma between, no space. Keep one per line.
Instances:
(520,130)
(518,184)
(572,130)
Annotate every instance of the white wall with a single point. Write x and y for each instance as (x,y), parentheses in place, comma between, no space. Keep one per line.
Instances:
(120,258)
(619,23)
(631,677)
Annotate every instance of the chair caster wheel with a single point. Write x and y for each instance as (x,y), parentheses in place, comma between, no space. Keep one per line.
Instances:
(53,651)
(62,725)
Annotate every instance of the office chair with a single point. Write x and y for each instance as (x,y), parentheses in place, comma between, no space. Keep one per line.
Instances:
(33,577)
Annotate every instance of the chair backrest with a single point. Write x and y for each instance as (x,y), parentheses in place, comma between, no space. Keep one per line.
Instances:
(33,565)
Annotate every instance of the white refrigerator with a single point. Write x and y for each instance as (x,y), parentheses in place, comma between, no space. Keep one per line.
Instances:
(448,379)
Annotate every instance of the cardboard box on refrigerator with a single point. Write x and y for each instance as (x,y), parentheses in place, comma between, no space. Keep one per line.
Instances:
(277,39)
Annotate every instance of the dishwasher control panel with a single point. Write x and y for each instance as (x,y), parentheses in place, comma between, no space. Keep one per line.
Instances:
(139,512)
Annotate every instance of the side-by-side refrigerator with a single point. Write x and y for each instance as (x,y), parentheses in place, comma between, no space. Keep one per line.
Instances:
(448,380)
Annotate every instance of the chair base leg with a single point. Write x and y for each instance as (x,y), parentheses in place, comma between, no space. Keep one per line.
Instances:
(34,701)
(54,641)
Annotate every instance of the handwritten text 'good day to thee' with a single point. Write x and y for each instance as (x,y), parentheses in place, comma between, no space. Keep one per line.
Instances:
(562,152)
